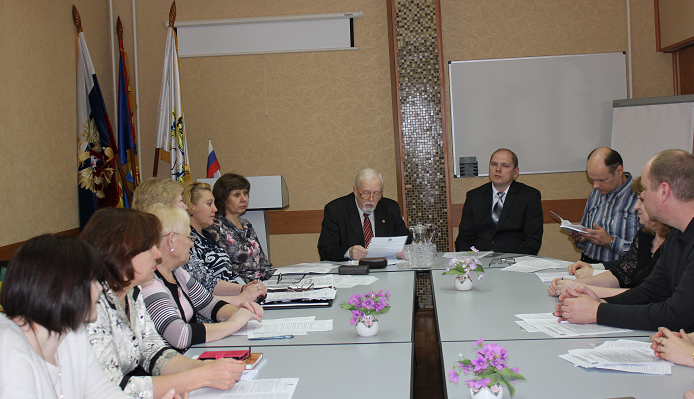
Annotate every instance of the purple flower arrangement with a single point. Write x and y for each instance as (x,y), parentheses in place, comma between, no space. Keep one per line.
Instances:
(367,304)
(489,367)
(462,266)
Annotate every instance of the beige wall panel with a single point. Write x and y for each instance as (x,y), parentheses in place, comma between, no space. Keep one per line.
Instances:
(675,21)
(295,248)
(652,71)
(38,155)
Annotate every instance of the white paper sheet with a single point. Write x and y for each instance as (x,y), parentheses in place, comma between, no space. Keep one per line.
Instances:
(305,268)
(351,281)
(386,247)
(529,264)
(547,277)
(284,328)
(564,330)
(480,254)
(282,388)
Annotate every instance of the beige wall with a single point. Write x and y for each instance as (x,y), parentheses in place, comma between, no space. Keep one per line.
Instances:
(329,114)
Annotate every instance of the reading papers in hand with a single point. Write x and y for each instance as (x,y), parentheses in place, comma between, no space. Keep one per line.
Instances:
(282,388)
(566,225)
(530,264)
(622,355)
(386,247)
(548,324)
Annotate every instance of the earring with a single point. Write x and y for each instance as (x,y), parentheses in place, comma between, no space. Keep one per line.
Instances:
(171,249)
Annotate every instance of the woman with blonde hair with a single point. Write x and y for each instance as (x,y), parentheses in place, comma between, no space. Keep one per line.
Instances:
(174,299)
(158,191)
(209,264)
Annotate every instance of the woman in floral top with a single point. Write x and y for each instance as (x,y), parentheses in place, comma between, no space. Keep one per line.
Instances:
(209,264)
(124,338)
(233,233)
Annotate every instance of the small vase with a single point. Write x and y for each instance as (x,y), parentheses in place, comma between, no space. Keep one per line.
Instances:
(463,283)
(367,326)
(488,393)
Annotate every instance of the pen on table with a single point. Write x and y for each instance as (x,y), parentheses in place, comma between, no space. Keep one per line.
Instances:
(275,337)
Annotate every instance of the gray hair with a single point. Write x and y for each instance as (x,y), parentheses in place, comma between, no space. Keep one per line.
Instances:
(173,219)
(368,174)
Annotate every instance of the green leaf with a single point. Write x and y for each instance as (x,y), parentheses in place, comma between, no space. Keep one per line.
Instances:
(348,306)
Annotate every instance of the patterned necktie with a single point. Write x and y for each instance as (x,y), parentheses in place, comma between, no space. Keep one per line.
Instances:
(496,211)
(368,233)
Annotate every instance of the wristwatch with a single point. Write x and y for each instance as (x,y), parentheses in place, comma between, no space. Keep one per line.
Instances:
(611,242)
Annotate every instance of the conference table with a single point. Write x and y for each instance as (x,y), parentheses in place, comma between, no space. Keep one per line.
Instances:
(341,364)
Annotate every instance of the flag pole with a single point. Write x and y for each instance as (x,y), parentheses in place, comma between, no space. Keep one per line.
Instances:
(172,20)
(119,166)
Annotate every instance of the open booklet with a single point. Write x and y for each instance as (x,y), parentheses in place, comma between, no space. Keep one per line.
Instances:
(566,225)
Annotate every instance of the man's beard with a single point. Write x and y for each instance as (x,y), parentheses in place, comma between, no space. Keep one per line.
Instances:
(368,208)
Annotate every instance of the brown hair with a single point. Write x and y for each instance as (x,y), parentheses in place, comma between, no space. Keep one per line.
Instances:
(514,157)
(224,186)
(675,167)
(120,234)
(49,282)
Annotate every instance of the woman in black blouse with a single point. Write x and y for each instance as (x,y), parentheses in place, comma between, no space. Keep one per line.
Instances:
(627,272)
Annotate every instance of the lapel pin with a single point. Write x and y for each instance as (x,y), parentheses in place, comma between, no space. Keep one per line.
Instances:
(383,221)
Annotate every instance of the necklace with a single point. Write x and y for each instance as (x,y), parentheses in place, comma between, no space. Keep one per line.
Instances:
(45,363)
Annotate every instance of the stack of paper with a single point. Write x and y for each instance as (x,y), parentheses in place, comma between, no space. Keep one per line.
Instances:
(531,264)
(323,293)
(621,355)
(346,281)
(549,324)
(305,268)
(282,388)
(288,326)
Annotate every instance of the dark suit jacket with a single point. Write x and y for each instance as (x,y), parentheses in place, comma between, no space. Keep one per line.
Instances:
(520,225)
(342,227)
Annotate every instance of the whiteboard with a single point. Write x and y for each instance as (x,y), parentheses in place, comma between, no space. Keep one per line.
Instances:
(551,111)
(646,126)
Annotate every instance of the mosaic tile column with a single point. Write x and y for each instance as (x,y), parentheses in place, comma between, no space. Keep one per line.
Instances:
(420,108)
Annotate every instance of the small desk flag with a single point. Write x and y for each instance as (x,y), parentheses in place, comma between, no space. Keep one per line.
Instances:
(212,163)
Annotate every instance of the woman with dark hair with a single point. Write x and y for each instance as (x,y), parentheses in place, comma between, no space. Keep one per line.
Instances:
(123,336)
(235,234)
(50,290)
(209,264)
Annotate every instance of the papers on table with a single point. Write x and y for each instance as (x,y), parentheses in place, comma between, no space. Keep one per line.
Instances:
(305,268)
(547,277)
(282,388)
(346,281)
(480,254)
(530,264)
(288,326)
(548,324)
(622,355)
(386,247)
(323,293)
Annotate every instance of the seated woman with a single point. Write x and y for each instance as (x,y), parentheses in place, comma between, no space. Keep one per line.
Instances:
(174,299)
(49,292)
(209,264)
(158,191)
(632,269)
(129,348)
(235,234)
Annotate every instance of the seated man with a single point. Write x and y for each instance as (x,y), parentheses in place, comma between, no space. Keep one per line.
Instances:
(351,221)
(502,215)
(666,297)
(610,218)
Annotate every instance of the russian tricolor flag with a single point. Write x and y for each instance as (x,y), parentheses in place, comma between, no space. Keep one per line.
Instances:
(212,163)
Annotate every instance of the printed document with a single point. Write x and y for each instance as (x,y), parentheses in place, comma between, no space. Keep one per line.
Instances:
(548,324)
(386,247)
(305,268)
(621,355)
(530,264)
(282,388)
(566,225)
(346,281)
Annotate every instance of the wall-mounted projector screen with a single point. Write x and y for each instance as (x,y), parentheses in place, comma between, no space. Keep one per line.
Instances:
(261,35)
(551,111)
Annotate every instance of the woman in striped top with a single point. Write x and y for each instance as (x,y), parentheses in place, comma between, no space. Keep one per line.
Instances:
(174,299)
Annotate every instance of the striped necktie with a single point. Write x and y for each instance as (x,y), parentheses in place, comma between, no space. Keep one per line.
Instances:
(368,232)
(496,211)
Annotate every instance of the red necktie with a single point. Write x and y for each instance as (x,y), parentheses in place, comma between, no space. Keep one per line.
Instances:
(368,233)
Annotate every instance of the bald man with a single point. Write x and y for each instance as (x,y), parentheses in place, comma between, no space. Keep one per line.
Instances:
(610,218)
